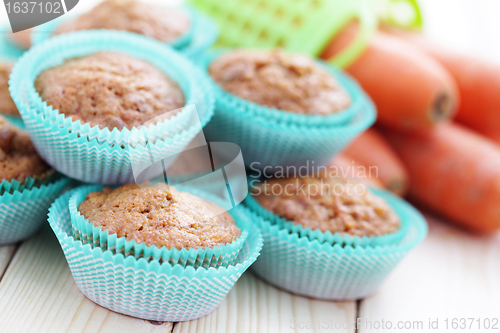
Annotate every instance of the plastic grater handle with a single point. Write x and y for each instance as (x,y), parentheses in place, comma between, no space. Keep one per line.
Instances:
(367,25)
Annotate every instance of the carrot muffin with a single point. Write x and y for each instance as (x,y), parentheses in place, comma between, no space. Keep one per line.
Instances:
(7,105)
(290,82)
(109,89)
(159,215)
(328,204)
(22,38)
(18,157)
(152,20)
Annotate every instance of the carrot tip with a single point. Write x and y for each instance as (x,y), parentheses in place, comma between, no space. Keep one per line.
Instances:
(442,107)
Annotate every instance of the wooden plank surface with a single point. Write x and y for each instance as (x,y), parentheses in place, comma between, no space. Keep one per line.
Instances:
(253,306)
(452,274)
(38,294)
(6,253)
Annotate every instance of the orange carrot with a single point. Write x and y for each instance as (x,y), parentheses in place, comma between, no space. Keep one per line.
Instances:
(354,170)
(371,149)
(455,172)
(478,81)
(410,89)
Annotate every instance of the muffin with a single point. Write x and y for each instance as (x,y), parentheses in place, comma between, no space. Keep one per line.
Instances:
(22,38)
(152,20)
(18,157)
(159,216)
(7,105)
(285,81)
(109,89)
(332,204)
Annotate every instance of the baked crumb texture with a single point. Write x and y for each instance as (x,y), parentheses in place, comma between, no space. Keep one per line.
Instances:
(290,82)
(7,105)
(159,22)
(328,204)
(109,89)
(160,215)
(18,157)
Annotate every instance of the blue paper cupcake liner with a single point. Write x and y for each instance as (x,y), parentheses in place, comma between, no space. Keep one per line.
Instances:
(102,156)
(147,290)
(53,53)
(339,272)
(275,138)
(229,101)
(202,33)
(22,212)
(327,237)
(269,144)
(219,256)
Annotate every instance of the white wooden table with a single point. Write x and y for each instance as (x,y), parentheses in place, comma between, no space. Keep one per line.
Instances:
(452,274)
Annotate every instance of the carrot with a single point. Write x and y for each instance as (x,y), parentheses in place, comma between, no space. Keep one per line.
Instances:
(478,81)
(455,172)
(410,89)
(354,170)
(371,149)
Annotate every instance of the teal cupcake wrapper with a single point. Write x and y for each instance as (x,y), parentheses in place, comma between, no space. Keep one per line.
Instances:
(219,256)
(229,101)
(58,49)
(201,35)
(103,156)
(327,237)
(22,212)
(265,143)
(320,270)
(9,186)
(90,161)
(147,290)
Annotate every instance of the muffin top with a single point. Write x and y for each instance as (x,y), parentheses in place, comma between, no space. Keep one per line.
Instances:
(109,89)
(152,20)
(18,157)
(7,105)
(159,215)
(329,204)
(21,38)
(290,82)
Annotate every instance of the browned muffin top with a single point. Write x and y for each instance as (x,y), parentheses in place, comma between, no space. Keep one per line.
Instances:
(328,204)
(7,105)
(18,157)
(21,38)
(159,215)
(291,82)
(156,21)
(109,89)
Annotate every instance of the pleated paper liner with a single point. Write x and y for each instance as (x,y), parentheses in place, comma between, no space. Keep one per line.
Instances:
(202,33)
(219,256)
(229,101)
(22,212)
(326,236)
(147,289)
(190,79)
(103,156)
(339,272)
(9,186)
(266,143)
